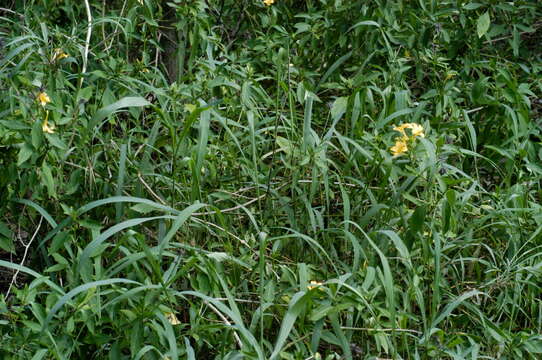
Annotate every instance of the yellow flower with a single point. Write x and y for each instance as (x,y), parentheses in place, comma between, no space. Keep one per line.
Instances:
(415,129)
(59,54)
(399,148)
(268,2)
(450,74)
(43,98)
(314,285)
(49,129)
(172,318)
(400,128)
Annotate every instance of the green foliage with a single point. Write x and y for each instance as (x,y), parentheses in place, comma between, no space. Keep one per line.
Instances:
(213,179)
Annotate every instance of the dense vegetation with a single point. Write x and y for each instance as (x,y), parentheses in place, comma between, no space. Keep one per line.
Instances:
(319,179)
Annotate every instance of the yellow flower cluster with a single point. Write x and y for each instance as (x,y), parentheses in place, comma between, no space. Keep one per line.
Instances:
(43,99)
(399,148)
(401,144)
(268,2)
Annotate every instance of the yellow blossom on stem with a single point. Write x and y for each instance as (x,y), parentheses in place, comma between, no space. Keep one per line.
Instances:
(314,285)
(49,129)
(449,75)
(172,318)
(43,98)
(417,130)
(58,55)
(399,148)
(268,2)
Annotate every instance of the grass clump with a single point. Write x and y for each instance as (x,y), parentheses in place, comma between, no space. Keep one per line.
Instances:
(270,180)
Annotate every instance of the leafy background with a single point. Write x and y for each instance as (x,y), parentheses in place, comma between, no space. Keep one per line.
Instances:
(219,182)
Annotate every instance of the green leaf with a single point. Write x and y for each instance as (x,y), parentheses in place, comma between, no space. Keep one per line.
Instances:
(297,304)
(81,288)
(5,231)
(365,23)
(40,354)
(339,108)
(15,52)
(84,266)
(31,272)
(14,125)
(472,6)
(179,221)
(121,104)
(56,141)
(119,208)
(235,316)
(334,67)
(6,244)
(190,355)
(396,114)
(143,208)
(39,209)
(47,177)
(482,25)
(24,154)
(337,111)
(451,307)
(37,135)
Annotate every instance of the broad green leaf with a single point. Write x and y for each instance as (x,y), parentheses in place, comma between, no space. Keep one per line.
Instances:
(454,304)
(55,140)
(472,6)
(84,266)
(25,153)
(337,111)
(6,244)
(37,134)
(31,272)
(179,221)
(39,209)
(48,179)
(5,231)
(190,355)
(121,104)
(14,125)
(334,67)
(339,108)
(297,304)
(238,321)
(40,354)
(79,289)
(365,23)
(482,25)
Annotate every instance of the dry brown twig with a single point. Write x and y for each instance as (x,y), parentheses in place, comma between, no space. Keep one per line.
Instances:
(221,316)
(149,189)
(87,41)
(9,11)
(26,247)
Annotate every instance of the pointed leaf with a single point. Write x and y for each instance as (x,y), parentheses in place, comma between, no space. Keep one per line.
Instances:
(482,25)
